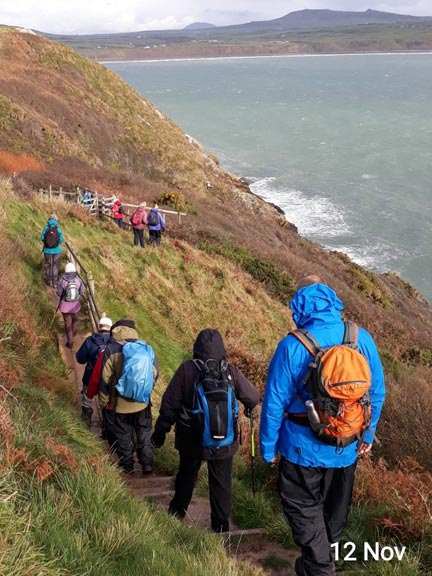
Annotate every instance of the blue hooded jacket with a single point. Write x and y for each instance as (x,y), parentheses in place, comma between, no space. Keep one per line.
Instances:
(57,249)
(317,309)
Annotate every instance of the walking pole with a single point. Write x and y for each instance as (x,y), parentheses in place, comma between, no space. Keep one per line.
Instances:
(252,435)
(55,314)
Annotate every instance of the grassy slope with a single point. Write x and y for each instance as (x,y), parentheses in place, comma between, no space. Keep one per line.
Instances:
(172,293)
(66,502)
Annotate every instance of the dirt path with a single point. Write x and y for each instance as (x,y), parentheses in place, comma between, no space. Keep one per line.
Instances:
(249,545)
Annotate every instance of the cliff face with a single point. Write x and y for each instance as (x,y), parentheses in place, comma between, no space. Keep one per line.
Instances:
(87,126)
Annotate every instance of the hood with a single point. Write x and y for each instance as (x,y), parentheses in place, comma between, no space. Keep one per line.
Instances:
(116,202)
(52,222)
(70,276)
(100,338)
(124,333)
(209,344)
(315,303)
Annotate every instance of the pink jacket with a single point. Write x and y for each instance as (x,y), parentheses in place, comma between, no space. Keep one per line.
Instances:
(143,221)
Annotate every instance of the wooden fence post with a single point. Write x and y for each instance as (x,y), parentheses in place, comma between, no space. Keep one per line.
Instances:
(49,191)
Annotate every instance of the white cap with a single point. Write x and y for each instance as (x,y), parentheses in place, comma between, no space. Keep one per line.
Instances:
(70,267)
(105,321)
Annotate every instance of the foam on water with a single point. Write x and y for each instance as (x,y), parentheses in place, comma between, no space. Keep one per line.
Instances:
(314,216)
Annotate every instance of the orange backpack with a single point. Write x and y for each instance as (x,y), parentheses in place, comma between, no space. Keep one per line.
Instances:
(338,383)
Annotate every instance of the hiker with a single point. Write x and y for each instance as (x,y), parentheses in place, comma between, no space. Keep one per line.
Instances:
(88,354)
(52,238)
(139,221)
(69,290)
(129,372)
(318,460)
(179,407)
(156,225)
(117,212)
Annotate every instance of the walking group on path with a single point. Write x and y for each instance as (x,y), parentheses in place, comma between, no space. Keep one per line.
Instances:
(139,220)
(322,402)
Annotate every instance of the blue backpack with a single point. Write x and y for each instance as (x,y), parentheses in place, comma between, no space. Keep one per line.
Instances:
(215,404)
(136,380)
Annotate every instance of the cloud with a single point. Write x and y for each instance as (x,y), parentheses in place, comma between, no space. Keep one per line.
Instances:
(84,17)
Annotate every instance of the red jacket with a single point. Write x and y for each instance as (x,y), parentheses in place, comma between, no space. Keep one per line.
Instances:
(117,210)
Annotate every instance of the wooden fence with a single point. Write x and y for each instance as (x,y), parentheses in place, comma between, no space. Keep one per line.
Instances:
(98,205)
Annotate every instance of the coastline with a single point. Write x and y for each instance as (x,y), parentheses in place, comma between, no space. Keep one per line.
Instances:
(254,57)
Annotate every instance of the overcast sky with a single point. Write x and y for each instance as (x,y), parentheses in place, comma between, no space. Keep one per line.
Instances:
(84,16)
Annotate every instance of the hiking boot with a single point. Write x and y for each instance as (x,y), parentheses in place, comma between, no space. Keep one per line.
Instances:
(147,469)
(128,471)
(86,414)
(69,345)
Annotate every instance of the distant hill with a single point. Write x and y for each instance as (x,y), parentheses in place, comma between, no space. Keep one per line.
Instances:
(199,26)
(301,32)
(331,18)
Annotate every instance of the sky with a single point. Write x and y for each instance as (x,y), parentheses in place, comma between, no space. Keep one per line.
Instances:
(104,16)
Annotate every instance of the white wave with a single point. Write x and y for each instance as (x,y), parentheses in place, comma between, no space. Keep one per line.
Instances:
(315,216)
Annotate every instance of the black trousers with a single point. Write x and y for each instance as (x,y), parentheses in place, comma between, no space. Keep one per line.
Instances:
(316,503)
(138,237)
(155,237)
(219,476)
(130,432)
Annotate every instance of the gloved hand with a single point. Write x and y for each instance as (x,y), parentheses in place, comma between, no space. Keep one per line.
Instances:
(158,439)
(248,412)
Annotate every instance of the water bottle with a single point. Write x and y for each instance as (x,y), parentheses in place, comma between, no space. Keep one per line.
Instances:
(313,417)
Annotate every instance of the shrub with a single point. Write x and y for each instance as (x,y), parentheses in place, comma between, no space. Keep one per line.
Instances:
(17,163)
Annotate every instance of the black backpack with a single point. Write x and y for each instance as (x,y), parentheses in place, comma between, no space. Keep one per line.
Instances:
(51,237)
(215,404)
(153,218)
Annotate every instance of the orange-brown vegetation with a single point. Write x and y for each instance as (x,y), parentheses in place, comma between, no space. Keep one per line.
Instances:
(405,492)
(18,163)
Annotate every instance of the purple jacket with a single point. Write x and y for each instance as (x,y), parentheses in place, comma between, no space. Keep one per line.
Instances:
(161,224)
(69,307)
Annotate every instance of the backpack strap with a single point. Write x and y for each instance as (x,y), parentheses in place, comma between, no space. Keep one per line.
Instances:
(307,340)
(350,335)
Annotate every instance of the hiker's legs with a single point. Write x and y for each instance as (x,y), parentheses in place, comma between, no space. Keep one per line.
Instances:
(158,234)
(141,238)
(184,484)
(300,490)
(68,329)
(74,324)
(143,431)
(123,433)
(136,237)
(108,419)
(54,268)
(48,268)
(119,222)
(219,477)
(152,237)
(338,488)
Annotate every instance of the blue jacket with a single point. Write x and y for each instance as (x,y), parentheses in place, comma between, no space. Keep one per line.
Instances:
(161,223)
(317,309)
(89,351)
(57,249)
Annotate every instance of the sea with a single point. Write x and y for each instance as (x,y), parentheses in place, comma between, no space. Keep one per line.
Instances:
(342,143)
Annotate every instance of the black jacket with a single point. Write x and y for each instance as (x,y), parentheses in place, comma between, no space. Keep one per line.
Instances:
(178,399)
